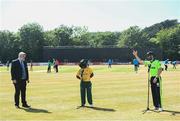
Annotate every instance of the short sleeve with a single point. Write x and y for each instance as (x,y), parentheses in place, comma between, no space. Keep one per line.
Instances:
(90,71)
(146,63)
(78,73)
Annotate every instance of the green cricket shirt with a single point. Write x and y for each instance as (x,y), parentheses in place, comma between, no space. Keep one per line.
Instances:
(155,66)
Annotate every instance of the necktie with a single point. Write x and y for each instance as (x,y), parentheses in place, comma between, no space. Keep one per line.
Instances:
(23,70)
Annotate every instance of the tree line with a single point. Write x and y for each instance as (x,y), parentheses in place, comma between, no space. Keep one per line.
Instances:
(31,38)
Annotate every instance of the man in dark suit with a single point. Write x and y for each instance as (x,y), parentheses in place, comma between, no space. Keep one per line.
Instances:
(20,76)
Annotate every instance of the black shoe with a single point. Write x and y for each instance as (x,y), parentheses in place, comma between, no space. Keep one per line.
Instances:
(26,106)
(17,106)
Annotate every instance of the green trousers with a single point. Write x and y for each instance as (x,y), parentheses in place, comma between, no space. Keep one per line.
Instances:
(86,88)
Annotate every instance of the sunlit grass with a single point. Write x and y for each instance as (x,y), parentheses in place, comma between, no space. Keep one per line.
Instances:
(118,92)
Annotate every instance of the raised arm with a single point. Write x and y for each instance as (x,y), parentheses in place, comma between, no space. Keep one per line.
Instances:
(135,53)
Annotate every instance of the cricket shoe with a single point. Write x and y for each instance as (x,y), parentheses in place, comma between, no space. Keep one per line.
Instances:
(160,109)
(156,109)
(91,106)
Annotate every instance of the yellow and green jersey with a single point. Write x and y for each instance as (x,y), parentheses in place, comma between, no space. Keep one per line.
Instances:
(85,74)
(154,67)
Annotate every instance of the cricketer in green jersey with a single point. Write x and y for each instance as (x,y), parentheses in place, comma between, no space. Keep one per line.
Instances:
(155,70)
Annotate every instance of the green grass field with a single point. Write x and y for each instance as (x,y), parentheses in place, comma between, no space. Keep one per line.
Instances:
(118,94)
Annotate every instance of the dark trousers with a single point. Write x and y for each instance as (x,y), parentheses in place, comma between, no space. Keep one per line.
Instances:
(20,88)
(174,66)
(56,67)
(136,68)
(85,87)
(166,67)
(109,65)
(49,69)
(156,94)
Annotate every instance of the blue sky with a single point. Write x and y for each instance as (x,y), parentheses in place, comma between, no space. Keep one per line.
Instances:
(97,15)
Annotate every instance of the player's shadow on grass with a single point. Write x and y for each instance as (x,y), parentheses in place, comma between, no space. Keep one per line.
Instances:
(169,111)
(35,110)
(173,112)
(98,108)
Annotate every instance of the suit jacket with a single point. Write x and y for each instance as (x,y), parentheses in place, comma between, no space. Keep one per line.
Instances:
(16,70)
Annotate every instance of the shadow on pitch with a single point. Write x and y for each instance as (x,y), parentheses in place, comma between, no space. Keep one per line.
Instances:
(97,108)
(173,112)
(169,111)
(35,110)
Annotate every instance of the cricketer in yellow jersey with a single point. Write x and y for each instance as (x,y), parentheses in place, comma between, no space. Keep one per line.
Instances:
(85,74)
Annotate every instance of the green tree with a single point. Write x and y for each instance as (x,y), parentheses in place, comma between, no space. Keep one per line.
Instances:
(63,36)
(154,29)
(108,38)
(133,38)
(80,36)
(9,42)
(100,39)
(32,40)
(49,38)
(169,41)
